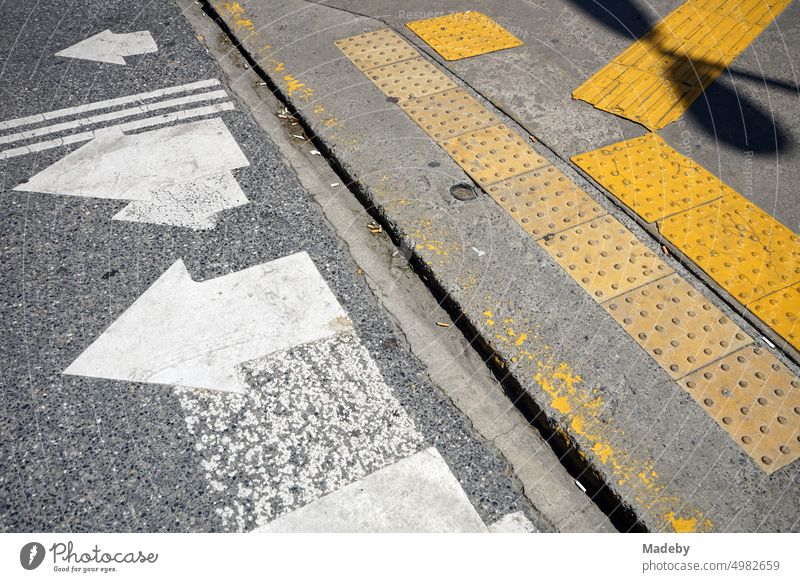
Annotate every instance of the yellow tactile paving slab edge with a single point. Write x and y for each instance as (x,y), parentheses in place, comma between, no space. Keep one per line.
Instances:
(601,438)
(545,201)
(656,79)
(492,154)
(677,326)
(604,257)
(376,49)
(780,311)
(448,114)
(409,79)
(650,177)
(761,13)
(745,250)
(756,400)
(463,34)
(600,254)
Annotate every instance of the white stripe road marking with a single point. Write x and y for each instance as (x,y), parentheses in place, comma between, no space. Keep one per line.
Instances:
(106,104)
(192,334)
(80,122)
(178,175)
(418,494)
(130,126)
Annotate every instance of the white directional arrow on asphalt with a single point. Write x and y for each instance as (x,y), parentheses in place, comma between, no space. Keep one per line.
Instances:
(108,47)
(178,175)
(191,334)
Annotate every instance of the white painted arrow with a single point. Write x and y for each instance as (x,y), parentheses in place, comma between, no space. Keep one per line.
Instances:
(108,47)
(193,334)
(178,175)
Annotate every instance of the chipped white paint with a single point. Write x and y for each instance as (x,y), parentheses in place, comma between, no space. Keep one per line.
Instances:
(416,494)
(513,523)
(315,417)
(162,119)
(181,174)
(108,47)
(113,115)
(194,334)
(106,104)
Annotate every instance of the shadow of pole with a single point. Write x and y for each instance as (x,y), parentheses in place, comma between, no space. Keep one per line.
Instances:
(723,112)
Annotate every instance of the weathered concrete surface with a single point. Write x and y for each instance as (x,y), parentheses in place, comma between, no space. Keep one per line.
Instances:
(662,455)
(452,363)
(744,128)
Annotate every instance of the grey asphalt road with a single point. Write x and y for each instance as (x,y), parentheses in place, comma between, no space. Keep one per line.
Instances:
(91,454)
(638,430)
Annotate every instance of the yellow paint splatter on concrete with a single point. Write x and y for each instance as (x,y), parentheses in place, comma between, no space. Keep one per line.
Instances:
(603,451)
(561,403)
(292,84)
(680,524)
(581,408)
(237,16)
(521,339)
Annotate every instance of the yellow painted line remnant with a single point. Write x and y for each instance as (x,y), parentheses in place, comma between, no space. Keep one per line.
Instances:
(235,15)
(756,400)
(677,326)
(604,258)
(463,34)
(544,201)
(659,76)
(650,177)
(745,250)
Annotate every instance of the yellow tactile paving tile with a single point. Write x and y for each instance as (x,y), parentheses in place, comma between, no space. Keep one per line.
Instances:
(492,154)
(756,400)
(683,332)
(604,258)
(659,76)
(377,48)
(463,34)
(746,251)
(448,114)
(760,12)
(637,95)
(678,327)
(545,201)
(650,177)
(780,311)
(409,79)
